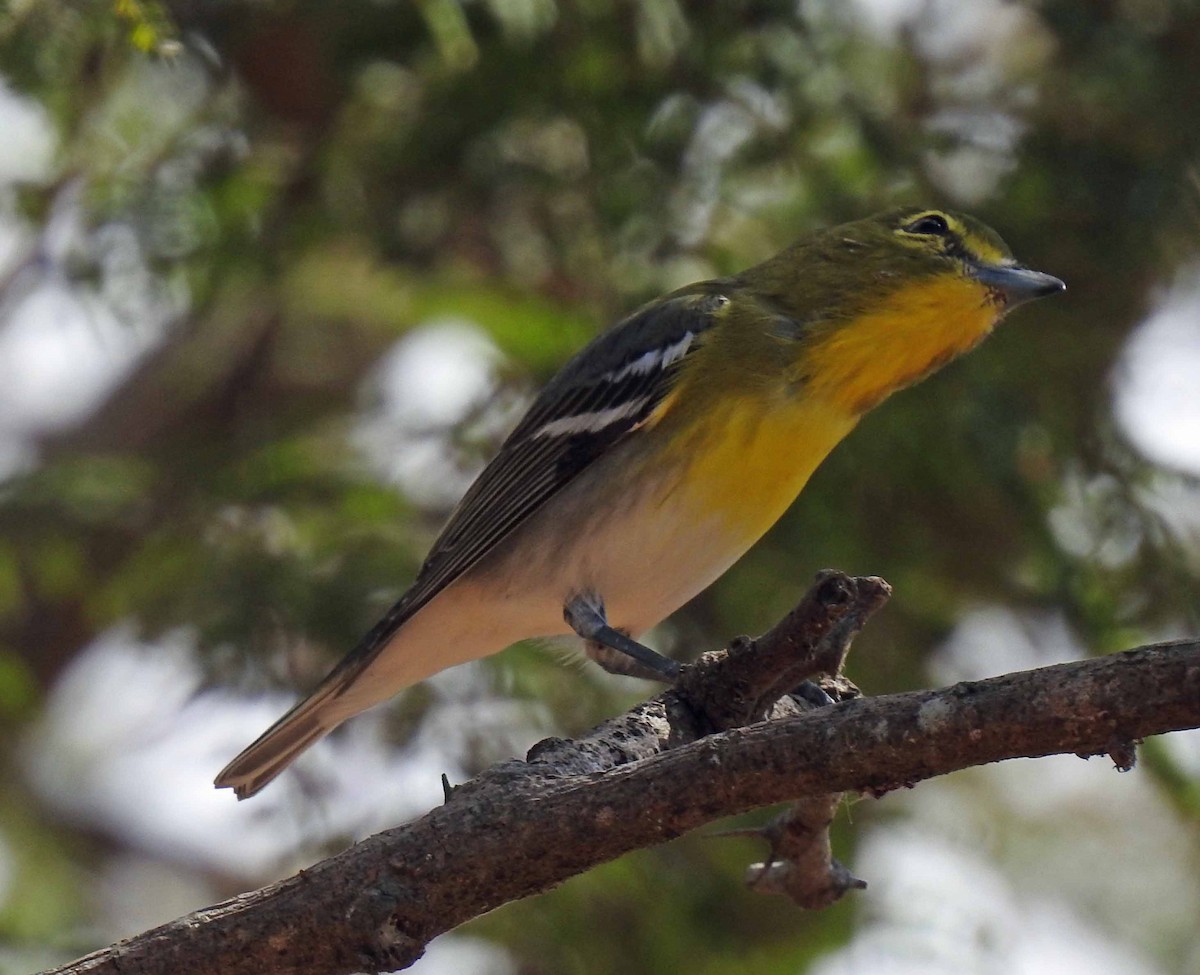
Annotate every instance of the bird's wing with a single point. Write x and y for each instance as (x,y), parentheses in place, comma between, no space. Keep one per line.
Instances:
(610,387)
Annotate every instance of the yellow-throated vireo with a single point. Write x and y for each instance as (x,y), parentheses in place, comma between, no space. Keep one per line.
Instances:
(665,449)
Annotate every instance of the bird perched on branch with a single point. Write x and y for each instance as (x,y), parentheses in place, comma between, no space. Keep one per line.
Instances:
(665,449)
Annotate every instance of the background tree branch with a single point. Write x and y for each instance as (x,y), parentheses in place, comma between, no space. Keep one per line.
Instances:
(674,763)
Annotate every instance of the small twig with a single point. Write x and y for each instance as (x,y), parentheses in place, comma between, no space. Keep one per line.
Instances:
(738,686)
(751,682)
(801,864)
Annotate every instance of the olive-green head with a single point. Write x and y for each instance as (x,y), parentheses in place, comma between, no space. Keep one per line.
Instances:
(858,263)
(881,302)
(933,241)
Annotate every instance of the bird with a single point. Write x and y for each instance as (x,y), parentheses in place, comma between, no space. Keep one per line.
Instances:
(661,452)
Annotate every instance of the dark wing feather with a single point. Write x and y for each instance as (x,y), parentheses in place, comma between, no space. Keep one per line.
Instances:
(532,465)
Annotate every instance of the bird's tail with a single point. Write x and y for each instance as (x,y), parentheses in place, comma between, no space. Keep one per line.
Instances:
(281,744)
(404,648)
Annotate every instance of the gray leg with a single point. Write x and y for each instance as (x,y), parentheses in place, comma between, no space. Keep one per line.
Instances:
(620,663)
(584,614)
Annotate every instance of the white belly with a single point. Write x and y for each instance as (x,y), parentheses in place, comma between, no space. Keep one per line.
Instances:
(644,556)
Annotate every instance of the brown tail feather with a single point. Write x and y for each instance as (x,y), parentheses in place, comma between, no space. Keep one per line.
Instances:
(280,745)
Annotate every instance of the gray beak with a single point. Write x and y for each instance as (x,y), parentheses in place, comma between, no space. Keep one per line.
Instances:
(1017,285)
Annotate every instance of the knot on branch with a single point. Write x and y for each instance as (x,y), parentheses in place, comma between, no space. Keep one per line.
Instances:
(393,949)
(800,865)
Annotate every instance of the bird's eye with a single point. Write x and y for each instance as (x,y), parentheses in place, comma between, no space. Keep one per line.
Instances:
(932,224)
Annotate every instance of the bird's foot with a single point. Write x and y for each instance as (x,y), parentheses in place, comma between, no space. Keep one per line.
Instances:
(616,652)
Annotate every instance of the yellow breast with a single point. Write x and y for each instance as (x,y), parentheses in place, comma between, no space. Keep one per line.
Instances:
(917,329)
(747,464)
(748,458)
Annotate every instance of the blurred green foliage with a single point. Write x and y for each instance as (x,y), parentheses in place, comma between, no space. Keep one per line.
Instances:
(279,192)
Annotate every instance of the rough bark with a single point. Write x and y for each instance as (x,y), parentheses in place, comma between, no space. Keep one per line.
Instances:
(716,744)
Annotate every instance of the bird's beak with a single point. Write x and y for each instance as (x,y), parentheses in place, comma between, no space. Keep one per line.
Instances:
(1016,285)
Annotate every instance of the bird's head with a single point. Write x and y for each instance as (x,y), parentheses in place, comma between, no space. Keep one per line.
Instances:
(914,243)
(881,302)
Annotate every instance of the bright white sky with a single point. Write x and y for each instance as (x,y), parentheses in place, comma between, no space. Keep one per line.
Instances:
(1158,381)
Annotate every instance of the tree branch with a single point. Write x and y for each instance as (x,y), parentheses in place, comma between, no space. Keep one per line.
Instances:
(667,767)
